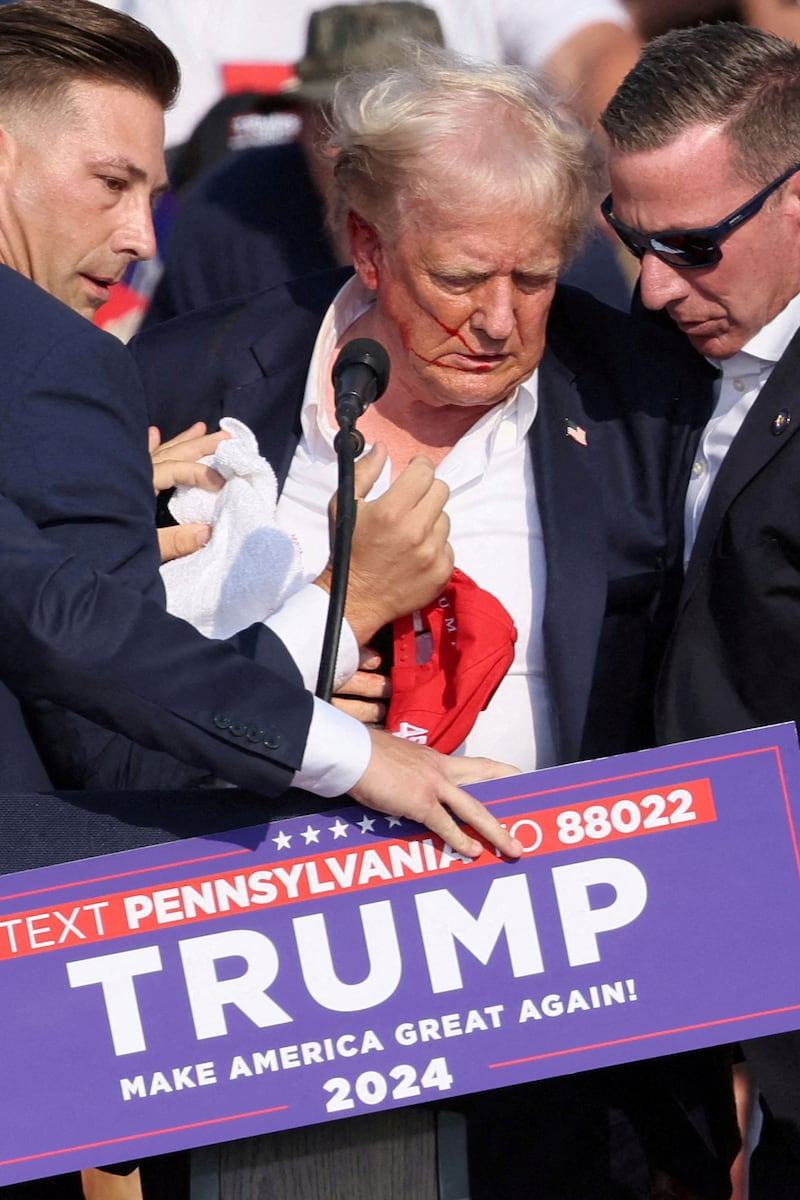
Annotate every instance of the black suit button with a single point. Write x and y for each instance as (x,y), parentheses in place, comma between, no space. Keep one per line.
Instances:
(222,721)
(272,741)
(254,734)
(238,730)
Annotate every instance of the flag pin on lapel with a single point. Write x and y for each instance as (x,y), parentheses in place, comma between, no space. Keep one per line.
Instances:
(576,432)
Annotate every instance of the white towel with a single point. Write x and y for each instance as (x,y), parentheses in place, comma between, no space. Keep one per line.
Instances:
(249,565)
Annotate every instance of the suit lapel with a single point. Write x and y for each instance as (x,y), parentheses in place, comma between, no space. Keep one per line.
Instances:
(268,384)
(754,446)
(570,509)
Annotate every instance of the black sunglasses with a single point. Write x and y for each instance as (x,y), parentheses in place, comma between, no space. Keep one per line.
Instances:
(688,249)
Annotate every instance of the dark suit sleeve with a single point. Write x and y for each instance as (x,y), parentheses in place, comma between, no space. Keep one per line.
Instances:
(73,458)
(83,640)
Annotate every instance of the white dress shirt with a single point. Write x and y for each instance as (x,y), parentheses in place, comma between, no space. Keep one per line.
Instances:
(743,376)
(495,532)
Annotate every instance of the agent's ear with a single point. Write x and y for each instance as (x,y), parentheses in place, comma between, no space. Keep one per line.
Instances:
(793,191)
(365,250)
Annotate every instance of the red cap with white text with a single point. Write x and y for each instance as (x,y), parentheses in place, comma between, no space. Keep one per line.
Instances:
(448,661)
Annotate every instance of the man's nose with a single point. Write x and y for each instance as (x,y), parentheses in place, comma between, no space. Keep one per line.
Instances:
(660,283)
(494,309)
(136,235)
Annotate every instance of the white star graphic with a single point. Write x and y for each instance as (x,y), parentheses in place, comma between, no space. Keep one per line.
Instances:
(283,841)
(339,830)
(394,821)
(366,824)
(310,834)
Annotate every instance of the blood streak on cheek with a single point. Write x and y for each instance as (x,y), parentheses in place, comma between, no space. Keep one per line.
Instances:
(481,368)
(455,333)
(474,369)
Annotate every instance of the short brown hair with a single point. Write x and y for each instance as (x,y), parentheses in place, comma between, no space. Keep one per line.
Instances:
(732,77)
(46,45)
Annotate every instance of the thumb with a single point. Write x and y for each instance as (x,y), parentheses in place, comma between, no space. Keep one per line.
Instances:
(368,469)
(153,438)
(176,541)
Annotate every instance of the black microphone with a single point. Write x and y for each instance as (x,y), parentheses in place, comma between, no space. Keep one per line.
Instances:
(360,375)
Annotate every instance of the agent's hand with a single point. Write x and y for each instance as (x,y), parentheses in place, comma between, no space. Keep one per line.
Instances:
(176,462)
(401,558)
(407,780)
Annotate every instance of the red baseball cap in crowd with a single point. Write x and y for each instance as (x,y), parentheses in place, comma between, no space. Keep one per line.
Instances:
(448,661)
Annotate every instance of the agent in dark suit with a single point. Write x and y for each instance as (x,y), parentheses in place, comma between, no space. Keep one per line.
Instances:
(705,135)
(580,430)
(82,93)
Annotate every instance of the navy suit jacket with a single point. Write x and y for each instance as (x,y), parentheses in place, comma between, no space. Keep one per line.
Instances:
(732,657)
(251,221)
(81,605)
(609,509)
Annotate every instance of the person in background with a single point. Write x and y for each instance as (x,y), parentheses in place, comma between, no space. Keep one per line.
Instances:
(654,17)
(705,176)
(539,406)
(585,47)
(257,218)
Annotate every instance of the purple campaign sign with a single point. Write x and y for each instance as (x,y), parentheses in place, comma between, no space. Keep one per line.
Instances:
(326,966)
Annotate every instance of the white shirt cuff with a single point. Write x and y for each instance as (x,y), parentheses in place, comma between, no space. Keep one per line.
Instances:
(300,624)
(333,733)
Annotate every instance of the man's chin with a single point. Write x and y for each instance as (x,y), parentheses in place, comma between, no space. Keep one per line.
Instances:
(722,345)
(714,339)
(86,307)
(82,301)
(93,294)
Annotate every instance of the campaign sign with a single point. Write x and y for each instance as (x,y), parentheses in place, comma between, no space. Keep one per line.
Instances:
(326,966)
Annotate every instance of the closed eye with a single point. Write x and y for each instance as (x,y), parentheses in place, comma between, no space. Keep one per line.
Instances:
(532,283)
(458,283)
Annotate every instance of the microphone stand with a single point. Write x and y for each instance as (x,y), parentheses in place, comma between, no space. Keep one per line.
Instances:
(348,443)
(359,377)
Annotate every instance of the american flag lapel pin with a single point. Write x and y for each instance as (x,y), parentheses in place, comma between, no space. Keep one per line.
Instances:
(576,432)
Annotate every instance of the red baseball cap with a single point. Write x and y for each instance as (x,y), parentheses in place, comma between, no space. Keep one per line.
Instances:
(448,661)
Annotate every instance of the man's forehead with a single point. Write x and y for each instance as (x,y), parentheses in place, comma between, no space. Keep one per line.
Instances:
(691,181)
(117,127)
(699,150)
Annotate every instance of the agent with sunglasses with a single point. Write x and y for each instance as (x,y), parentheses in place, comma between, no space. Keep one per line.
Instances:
(708,124)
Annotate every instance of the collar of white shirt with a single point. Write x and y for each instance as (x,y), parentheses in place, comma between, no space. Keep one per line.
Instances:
(501,428)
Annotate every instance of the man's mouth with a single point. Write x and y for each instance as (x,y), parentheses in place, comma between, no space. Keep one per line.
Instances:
(99,287)
(480,362)
(695,324)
